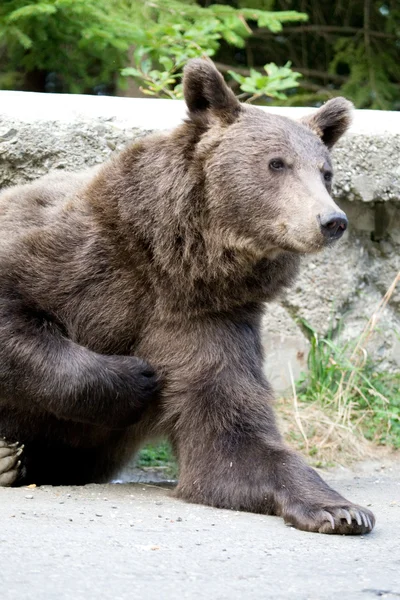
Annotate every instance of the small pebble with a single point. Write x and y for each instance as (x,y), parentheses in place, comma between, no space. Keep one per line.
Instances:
(29,497)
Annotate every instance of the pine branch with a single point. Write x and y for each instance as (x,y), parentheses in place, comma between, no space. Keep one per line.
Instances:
(322,30)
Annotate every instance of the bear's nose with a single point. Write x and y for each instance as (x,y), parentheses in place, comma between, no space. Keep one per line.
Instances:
(333,225)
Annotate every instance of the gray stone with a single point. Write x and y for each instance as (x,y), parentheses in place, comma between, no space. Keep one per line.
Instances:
(367,165)
(286,347)
(337,290)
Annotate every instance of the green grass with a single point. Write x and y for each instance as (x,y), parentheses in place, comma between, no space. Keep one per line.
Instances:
(342,379)
(158,456)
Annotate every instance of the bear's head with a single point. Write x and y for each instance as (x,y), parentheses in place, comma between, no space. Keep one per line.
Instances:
(267,178)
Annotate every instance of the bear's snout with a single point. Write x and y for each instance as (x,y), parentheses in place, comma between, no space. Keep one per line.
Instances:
(333,225)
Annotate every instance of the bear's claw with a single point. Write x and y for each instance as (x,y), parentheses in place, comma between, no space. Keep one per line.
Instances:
(9,462)
(340,520)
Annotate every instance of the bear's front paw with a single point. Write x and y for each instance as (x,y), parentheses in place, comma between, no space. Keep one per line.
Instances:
(341,519)
(9,462)
(145,381)
(131,385)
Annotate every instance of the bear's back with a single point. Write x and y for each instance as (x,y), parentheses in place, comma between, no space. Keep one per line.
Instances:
(39,203)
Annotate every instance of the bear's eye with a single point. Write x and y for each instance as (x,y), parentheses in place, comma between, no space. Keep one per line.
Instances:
(328,176)
(276,164)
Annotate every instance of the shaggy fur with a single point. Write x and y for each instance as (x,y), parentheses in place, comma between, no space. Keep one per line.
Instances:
(166,254)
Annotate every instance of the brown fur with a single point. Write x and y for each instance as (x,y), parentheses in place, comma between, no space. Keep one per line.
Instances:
(167,253)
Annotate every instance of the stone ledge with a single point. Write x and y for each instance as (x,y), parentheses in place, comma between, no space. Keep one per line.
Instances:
(150,113)
(367,159)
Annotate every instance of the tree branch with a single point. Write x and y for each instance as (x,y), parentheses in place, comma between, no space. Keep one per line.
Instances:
(320,74)
(307,72)
(321,30)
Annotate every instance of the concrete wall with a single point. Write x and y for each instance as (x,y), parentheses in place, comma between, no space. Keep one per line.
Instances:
(39,132)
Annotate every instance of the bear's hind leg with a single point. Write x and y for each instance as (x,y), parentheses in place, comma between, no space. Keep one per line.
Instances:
(10,462)
(44,462)
(57,464)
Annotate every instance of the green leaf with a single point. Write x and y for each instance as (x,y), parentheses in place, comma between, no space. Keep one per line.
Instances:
(237,77)
(131,72)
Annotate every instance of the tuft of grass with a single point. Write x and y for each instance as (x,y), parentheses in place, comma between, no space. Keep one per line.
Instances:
(355,395)
(160,457)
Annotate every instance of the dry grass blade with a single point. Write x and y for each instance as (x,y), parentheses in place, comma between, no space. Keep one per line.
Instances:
(328,441)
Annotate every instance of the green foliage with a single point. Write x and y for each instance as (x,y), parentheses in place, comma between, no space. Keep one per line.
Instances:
(273,84)
(358,392)
(171,41)
(372,76)
(87,42)
(84,41)
(350,49)
(156,456)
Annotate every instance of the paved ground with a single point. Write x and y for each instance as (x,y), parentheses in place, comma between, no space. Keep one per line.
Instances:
(117,542)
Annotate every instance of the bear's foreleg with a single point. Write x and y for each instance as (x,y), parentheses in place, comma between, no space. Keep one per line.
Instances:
(42,371)
(230,452)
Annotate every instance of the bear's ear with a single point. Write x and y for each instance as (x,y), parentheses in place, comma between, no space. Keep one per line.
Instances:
(331,121)
(206,92)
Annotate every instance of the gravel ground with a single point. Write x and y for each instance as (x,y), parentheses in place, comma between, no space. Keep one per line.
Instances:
(115,542)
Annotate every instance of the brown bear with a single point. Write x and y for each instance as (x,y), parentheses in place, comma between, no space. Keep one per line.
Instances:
(166,254)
